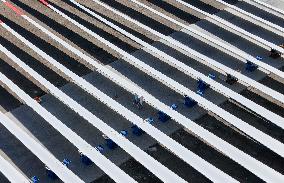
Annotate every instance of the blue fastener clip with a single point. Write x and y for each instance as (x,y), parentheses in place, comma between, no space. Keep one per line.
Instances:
(66,162)
(200,92)
(100,148)
(34,179)
(174,106)
(259,58)
(149,120)
(124,133)
(212,76)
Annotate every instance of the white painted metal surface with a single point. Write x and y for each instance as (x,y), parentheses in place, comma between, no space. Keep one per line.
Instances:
(204,59)
(258,135)
(11,172)
(253,19)
(243,56)
(150,163)
(235,29)
(270,116)
(101,161)
(267,7)
(36,148)
(183,153)
(245,160)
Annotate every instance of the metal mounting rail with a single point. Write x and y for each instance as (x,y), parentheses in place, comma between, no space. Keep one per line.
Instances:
(241,55)
(258,135)
(10,172)
(255,166)
(101,161)
(266,7)
(233,28)
(253,19)
(276,96)
(274,118)
(38,149)
(173,146)
(150,163)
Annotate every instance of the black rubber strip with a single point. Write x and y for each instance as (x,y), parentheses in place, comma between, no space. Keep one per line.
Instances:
(175,11)
(140,17)
(203,6)
(83,43)
(57,54)
(34,64)
(130,30)
(116,41)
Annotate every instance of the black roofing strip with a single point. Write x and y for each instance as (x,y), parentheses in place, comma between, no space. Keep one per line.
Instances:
(231,1)
(116,41)
(57,54)
(261,13)
(203,6)
(135,170)
(175,11)
(33,63)
(7,100)
(20,80)
(86,45)
(140,17)
(132,31)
